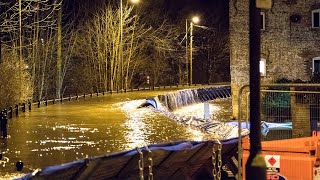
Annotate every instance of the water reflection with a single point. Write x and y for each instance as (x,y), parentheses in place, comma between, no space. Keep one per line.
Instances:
(66,132)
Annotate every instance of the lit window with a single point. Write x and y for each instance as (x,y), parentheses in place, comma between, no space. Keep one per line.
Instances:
(262,21)
(263,67)
(316,18)
(316,65)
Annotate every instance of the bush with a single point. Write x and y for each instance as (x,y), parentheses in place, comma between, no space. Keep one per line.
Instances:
(13,89)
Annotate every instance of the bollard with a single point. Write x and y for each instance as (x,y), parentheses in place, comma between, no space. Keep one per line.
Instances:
(77,97)
(53,101)
(84,95)
(17,109)
(11,112)
(110,91)
(29,105)
(164,87)
(39,103)
(91,94)
(46,102)
(1,156)
(125,90)
(61,99)
(103,93)
(138,89)
(97,93)
(69,97)
(19,165)
(117,90)
(23,107)
(4,122)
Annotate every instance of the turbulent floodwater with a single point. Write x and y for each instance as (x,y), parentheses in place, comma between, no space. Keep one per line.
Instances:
(95,126)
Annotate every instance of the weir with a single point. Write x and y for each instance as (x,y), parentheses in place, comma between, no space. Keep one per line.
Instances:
(175,100)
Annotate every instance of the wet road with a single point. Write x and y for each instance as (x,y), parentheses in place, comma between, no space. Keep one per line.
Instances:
(95,126)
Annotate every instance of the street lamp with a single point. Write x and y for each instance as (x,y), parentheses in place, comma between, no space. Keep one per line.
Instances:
(121,39)
(195,20)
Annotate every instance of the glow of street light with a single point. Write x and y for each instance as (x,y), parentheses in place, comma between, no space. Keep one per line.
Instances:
(135,1)
(195,19)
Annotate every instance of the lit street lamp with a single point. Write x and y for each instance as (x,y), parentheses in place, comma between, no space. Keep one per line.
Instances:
(121,39)
(195,20)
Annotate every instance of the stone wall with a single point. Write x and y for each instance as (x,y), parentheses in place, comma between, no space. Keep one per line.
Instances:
(287,46)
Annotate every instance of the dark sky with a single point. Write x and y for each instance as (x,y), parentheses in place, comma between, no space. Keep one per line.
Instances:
(211,12)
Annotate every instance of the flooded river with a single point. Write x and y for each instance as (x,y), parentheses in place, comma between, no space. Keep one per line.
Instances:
(89,127)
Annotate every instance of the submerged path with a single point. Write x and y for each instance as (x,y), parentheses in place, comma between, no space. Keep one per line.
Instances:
(66,132)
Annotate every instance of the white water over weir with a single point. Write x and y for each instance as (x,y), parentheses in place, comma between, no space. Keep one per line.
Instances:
(172,101)
(175,100)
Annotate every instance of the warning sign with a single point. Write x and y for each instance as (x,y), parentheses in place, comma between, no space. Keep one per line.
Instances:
(264,4)
(273,161)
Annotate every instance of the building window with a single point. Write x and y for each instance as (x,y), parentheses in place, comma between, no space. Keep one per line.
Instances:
(316,65)
(263,67)
(316,18)
(262,21)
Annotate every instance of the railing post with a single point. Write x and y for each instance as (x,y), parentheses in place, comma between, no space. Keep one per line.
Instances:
(23,107)
(17,109)
(11,112)
(29,105)
(4,122)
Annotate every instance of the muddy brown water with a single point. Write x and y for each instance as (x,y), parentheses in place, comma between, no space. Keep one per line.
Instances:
(62,133)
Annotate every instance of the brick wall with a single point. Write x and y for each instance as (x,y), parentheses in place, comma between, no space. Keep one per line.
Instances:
(287,46)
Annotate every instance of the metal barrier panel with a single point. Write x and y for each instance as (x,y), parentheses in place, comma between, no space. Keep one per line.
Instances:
(290,119)
(296,105)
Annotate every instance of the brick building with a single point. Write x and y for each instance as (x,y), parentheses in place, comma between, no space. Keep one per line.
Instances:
(290,37)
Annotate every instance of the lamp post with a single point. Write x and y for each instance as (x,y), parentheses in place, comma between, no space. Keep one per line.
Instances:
(195,20)
(121,40)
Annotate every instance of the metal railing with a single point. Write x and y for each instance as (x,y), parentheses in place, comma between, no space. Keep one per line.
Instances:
(298,104)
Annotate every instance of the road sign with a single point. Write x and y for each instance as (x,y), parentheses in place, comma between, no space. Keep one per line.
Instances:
(264,4)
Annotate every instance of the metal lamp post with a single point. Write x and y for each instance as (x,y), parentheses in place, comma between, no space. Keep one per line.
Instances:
(195,20)
(121,40)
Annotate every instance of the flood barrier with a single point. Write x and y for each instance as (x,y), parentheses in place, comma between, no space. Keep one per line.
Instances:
(176,160)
